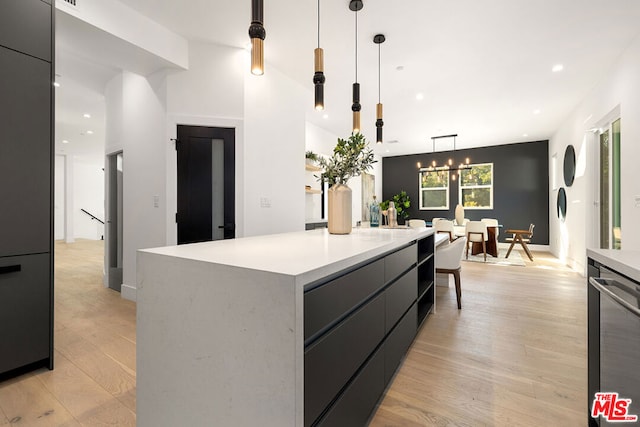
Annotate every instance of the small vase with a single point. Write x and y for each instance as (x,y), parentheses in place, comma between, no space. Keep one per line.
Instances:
(339,221)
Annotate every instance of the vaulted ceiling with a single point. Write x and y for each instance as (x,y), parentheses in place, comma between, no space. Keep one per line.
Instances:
(481,69)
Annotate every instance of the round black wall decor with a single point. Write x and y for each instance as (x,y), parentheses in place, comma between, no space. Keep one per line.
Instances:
(562,204)
(569,165)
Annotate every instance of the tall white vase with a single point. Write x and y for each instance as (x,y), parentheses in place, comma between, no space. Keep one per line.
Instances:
(459,215)
(339,209)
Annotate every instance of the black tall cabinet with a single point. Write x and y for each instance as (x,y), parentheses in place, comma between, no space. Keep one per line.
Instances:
(26,184)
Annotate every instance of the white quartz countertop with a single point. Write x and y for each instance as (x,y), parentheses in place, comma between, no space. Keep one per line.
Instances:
(621,261)
(306,255)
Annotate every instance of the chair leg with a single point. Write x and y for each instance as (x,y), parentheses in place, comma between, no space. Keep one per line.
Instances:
(484,250)
(456,277)
(467,248)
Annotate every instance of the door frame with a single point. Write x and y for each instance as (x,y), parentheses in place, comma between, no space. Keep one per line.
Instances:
(173,121)
(593,142)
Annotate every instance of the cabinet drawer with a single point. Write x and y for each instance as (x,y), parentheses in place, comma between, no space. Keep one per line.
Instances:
(398,342)
(398,262)
(354,406)
(333,360)
(25,310)
(25,26)
(329,302)
(399,297)
(25,154)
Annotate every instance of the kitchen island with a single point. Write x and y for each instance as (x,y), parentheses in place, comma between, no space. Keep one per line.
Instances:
(293,329)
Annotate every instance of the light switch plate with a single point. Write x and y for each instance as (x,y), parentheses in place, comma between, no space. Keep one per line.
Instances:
(637,199)
(265,202)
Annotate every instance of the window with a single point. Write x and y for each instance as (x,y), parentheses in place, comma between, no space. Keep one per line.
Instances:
(476,187)
(434,190)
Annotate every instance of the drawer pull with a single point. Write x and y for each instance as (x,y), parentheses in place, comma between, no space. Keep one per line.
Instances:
(10,269)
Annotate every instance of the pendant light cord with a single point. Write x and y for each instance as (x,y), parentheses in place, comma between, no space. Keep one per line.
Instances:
(356,46)
(379,72)
(318,23)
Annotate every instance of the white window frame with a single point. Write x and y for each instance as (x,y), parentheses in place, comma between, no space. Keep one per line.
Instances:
(447,188)
(490,187)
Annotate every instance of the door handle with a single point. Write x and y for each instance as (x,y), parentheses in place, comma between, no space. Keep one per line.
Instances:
(10,269)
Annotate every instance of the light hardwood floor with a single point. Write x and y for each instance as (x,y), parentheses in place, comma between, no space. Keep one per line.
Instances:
(514,355)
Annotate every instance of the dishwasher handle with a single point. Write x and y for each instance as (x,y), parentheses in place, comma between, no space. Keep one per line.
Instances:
(601,285)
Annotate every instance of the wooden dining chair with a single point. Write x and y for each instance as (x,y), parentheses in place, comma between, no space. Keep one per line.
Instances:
(527,239)
(476,231)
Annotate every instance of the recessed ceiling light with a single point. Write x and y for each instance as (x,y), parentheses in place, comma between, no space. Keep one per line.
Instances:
(86,115)
(56,84)
(64,141)
(525,135)
(325,116)
(536,111)
(420,97)
(89,132)
(387,151)
(557,68)
(400,67)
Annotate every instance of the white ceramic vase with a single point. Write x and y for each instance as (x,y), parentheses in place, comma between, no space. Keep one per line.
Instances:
(339,221)
(459,215)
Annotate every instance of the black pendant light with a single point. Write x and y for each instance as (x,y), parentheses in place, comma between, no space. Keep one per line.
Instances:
(356,5)
(257,34)
(318,77)
(379,39)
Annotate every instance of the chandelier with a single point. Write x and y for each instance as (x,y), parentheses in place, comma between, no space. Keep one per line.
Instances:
(451,165)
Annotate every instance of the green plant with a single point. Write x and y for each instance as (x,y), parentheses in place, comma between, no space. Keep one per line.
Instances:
(350,158)
(402,203)
(311,156)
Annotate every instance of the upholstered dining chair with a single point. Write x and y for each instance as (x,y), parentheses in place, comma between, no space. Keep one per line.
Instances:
(417,223)
(476,232)
(446,227)
(448,262)
(492,222)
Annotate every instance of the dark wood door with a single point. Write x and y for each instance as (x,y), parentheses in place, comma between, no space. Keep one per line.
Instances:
(206,183)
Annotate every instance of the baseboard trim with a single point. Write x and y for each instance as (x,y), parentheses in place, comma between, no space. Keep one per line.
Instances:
(128,292)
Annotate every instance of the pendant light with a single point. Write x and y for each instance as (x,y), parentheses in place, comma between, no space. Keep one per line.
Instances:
(318,77)
(257,34)
(356,5)
(379,39)
(449,165)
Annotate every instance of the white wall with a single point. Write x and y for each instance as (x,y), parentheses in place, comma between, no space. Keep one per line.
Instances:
(116,18)
(135,125)
(618,90)
(59,199)
(274,114)
(88,194)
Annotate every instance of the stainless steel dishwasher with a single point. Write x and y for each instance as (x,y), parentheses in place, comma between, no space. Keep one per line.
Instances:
(614,348)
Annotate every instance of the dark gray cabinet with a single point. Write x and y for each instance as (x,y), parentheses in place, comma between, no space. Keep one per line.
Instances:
(26,182)
(25,296)
(358,327)
(25,154)
(25,26)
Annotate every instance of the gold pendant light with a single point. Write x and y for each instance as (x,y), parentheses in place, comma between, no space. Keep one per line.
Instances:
(257,34)
(356,5)
(379,39)
(318,77)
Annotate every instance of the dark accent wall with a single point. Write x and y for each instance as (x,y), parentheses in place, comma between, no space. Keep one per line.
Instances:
(520,185)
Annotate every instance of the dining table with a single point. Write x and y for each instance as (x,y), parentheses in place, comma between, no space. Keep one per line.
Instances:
(491,244)
(519,236)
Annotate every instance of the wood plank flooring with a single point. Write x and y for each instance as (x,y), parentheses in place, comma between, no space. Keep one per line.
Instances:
(515,355)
